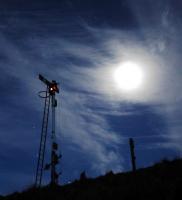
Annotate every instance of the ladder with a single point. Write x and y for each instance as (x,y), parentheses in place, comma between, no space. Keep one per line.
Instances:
(40,164)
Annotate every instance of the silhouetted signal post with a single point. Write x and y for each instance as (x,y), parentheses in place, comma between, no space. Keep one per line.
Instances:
(50,93)
(132,151)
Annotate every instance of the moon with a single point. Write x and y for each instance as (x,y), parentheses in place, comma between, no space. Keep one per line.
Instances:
(128,76)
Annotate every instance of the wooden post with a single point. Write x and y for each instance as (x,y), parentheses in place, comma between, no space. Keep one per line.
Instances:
(132,151)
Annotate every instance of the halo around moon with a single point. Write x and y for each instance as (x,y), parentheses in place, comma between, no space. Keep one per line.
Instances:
(128,76)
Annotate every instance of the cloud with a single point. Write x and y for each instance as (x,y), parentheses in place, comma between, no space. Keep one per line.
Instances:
(155,47)
(89,131)
(163,37)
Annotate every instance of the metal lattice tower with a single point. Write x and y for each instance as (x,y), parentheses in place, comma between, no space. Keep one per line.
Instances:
(49,97)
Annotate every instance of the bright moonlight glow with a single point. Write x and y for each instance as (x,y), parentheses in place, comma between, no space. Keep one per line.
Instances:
(128,76)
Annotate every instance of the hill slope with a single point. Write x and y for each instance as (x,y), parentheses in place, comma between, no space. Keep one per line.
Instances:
(162,181)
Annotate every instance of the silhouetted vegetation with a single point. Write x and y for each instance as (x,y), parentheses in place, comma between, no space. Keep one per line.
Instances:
(161,181)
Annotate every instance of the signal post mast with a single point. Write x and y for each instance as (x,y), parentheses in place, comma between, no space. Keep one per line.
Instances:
(54,157)
(52,89)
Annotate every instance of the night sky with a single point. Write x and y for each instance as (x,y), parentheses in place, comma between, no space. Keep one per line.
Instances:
(79,43)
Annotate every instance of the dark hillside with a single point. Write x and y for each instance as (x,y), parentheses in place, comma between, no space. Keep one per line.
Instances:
(162,181)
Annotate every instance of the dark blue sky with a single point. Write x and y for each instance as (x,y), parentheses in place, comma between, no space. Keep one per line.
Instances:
(80,43)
